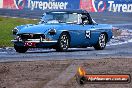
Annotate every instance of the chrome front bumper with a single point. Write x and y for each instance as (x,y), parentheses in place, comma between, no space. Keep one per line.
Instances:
(36,41)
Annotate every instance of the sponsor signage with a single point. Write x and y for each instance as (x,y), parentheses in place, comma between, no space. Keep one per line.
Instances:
(89,5)
(106,5)
(120,7)
(40,4)
(83,77)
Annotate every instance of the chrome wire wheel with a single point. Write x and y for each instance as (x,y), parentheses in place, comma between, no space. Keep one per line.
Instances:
(63,42)
(102,40)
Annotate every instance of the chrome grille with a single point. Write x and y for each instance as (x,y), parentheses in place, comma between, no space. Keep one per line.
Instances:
(31,36)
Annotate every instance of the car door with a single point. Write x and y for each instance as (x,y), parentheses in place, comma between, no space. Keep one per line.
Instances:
(81,34)
(88,30)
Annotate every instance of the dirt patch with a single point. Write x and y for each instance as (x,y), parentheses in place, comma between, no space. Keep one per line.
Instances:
(60,73)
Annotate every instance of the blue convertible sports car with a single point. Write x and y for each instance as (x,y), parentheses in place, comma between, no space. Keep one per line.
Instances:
(61,30)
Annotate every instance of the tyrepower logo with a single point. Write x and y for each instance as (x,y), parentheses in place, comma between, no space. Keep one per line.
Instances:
(20,4)
(46,5)
(115,7)
(101,6)
(34,4)
(106,5)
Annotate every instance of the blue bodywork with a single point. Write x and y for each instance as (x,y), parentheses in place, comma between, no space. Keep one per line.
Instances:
(77,33)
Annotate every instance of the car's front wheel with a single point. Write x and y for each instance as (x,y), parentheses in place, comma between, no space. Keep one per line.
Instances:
(63,42)
(101,42)
(20,49)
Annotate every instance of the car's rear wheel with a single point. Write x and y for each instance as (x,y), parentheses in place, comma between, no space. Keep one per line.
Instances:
(63,42)
(20,49)
(101,42)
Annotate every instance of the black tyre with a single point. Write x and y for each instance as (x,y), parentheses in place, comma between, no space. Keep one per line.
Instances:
(63,42)
(101,42)
(20,49)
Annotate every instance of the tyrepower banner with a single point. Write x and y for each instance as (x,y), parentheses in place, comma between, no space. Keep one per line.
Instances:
(39,4)
(89,5)
(106,5)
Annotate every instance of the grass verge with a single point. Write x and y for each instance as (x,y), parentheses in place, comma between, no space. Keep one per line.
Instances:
(7,24)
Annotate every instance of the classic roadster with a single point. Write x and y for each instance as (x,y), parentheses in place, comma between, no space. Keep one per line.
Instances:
(60,30)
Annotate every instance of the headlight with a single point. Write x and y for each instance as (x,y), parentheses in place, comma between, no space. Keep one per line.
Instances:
(15,30)
(52,32)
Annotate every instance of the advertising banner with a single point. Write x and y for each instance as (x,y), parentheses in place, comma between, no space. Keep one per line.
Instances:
(52,4)
(89,5)
(106,5)
(40,4)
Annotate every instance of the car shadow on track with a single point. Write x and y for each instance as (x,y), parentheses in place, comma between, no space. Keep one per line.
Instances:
(69,50)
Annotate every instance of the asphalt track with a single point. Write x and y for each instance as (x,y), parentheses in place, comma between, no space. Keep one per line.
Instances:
(122,49)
